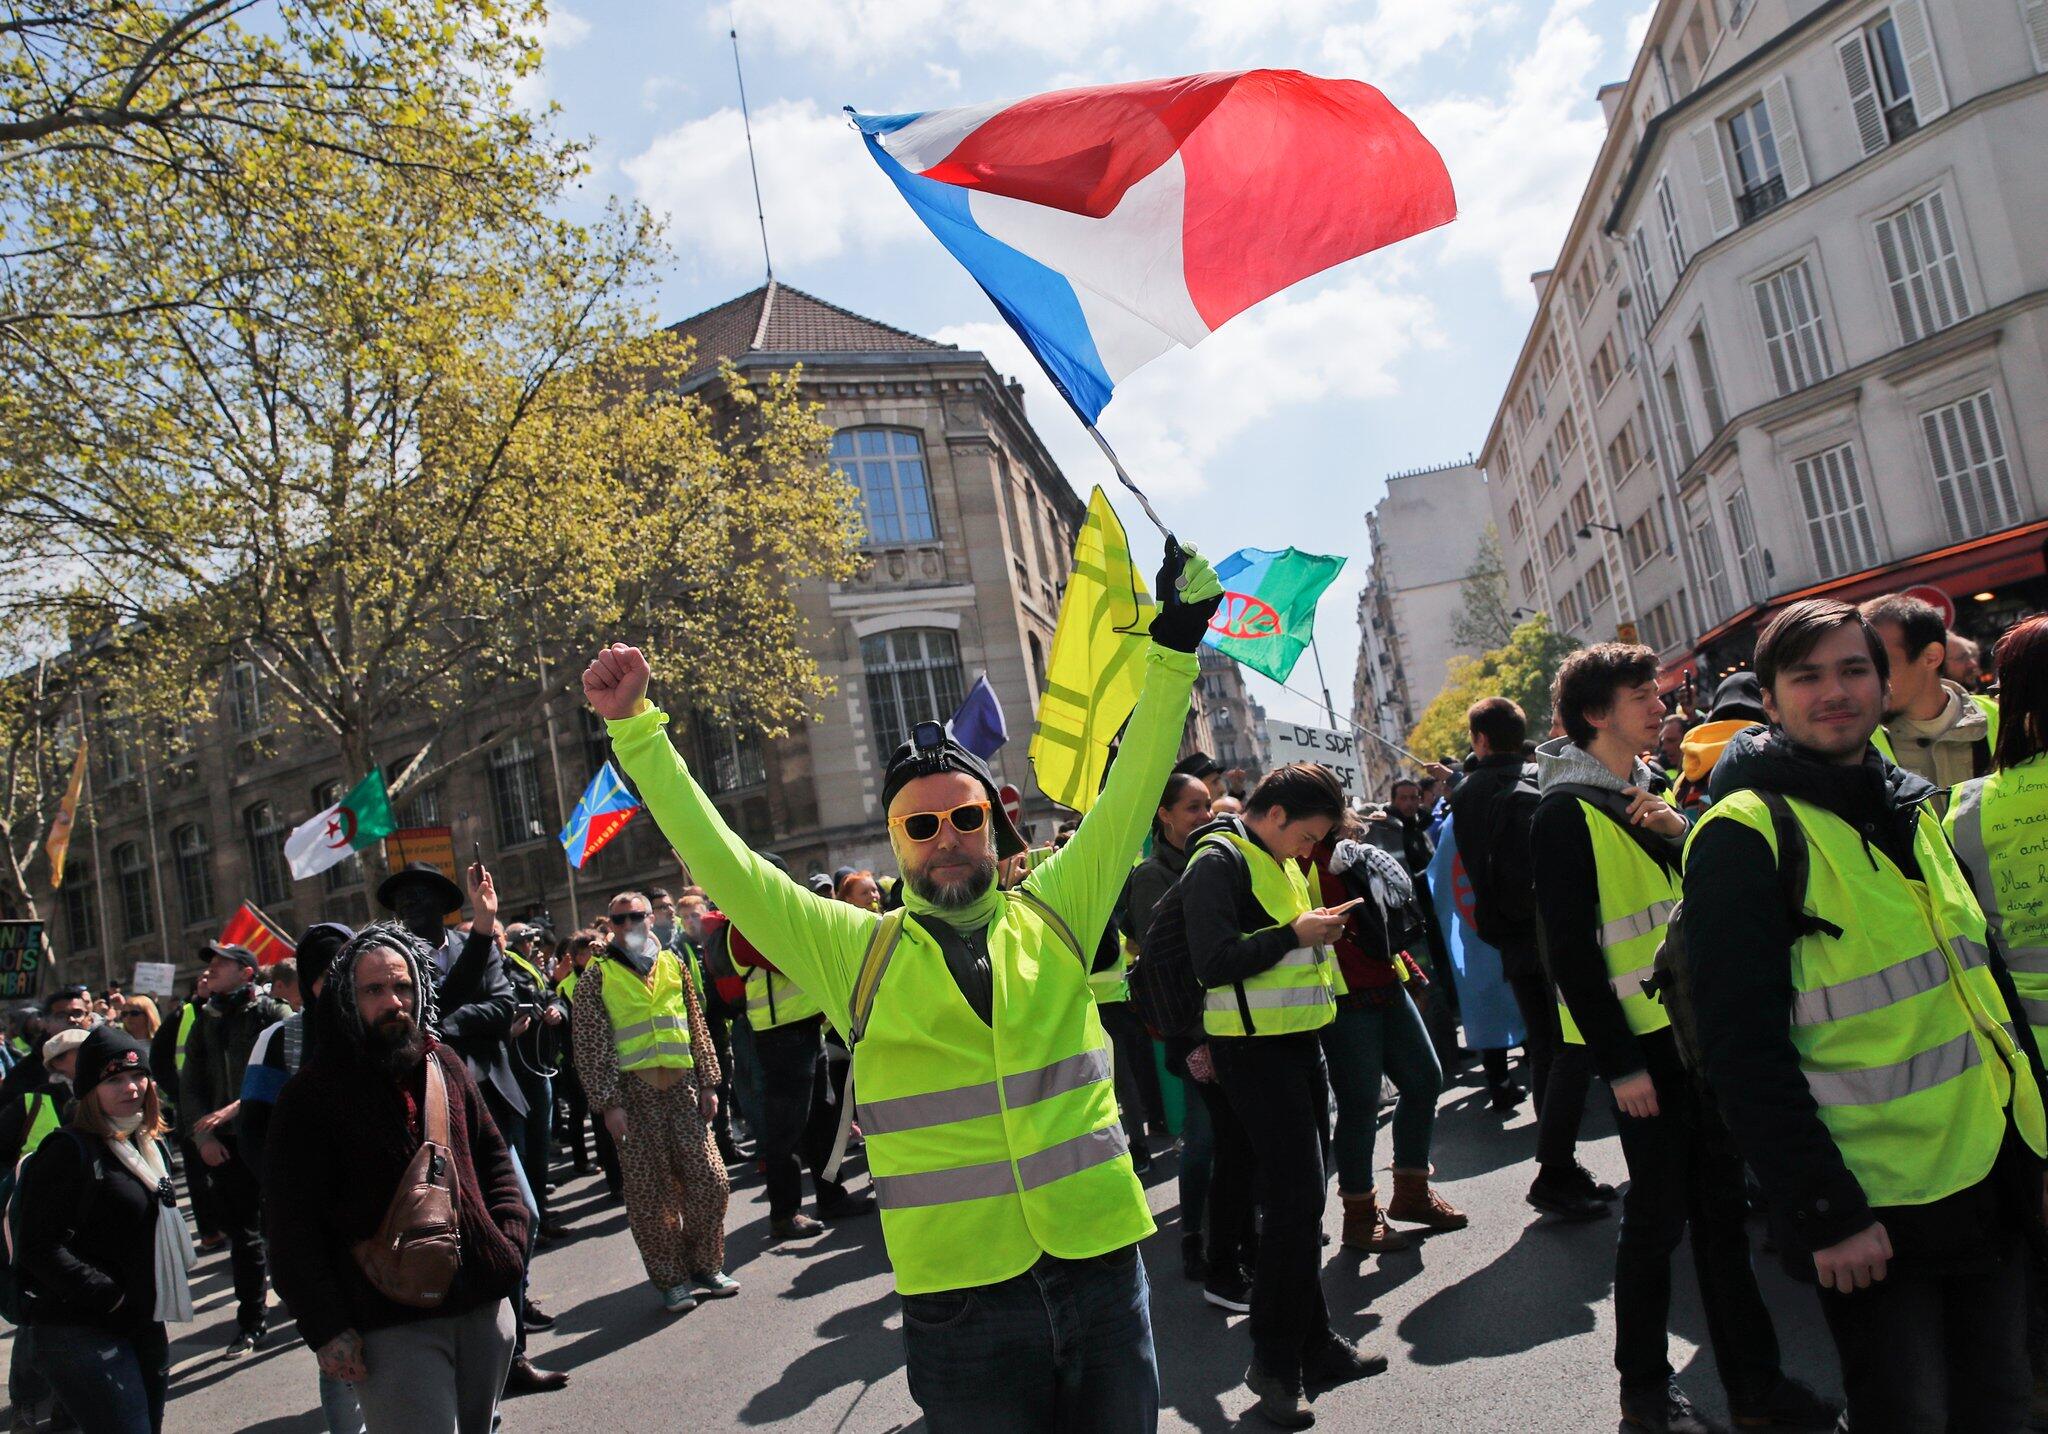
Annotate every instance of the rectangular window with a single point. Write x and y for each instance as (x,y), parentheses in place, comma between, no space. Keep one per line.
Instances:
(1837,521)
(81,917)
(515,793)
(1794,334)
(1569,614)
(1921,268)
(1639,541)
(1646,273)
(1706,543)
(138,912)
(887,466)
(1581,506)
(1604,368)
(1759,172)
(1567,433)
(1710,382)
(1894,84)
(251,694)
(1661,629)
(730,758)
(1681,426)
(1585,284)
(913,675)
(1966,448)
(1748,556)
(1667,218)
(1623,454)
(1546,360)
(1529,578)
(1554,545)
(195,873)
(268,874)
(1515,520)
(1598,585)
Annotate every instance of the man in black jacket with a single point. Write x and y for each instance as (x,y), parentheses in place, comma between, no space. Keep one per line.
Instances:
(1926,1299)
(1491,812)
(209,1098)
(1606,864)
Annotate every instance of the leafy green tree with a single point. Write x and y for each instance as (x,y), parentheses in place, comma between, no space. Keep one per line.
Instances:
(1521,668)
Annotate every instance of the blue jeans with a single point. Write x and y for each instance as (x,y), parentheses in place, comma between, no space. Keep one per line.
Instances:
(1065,1346)
(338,1403)
(109,1384)
(1362,1044)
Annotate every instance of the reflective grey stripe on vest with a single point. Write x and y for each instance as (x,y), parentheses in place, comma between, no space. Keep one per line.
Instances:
(1261,998)
(1299,956)
(1882,1083)
(1641,923)
(1915,976)
(994,1178)
(649,1026)
(2028,960)
(1966,803)
(901,1113)
(1630,983)
(2035,1011)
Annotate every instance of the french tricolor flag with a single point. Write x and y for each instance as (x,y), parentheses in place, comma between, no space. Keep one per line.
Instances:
(1111,223)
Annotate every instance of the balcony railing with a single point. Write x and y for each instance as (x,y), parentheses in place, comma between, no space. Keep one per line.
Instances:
(1753,204)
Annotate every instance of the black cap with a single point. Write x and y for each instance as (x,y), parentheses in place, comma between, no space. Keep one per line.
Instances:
(240,955)
(929,752)
(820,883)
(420,873)
(107,1050)
(1740,695)
(1198,764)
(318,944)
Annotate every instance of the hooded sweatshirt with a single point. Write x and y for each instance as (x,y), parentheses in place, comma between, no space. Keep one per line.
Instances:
(1568,906)
(1739,941)
(1952,746)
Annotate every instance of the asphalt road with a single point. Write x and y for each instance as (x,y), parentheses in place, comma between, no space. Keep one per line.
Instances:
(1507,1325)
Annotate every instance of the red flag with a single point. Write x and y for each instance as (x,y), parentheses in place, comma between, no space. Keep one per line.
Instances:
(250,928)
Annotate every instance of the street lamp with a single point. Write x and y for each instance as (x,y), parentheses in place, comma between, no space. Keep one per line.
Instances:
(1586,529)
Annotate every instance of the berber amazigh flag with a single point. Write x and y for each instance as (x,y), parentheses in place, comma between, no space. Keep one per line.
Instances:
(602,812)
(1112,223)
(361,817)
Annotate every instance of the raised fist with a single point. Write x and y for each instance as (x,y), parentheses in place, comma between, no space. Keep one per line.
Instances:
(615,681)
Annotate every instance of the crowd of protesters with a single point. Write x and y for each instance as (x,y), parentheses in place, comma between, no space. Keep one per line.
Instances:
(1846,1039)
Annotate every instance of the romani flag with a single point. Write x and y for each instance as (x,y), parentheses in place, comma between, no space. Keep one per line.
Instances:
(251,929)
(361,817)
(602,812)
(1269,606)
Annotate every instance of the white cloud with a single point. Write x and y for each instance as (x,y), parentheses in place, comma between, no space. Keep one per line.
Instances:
(1169,421)
(1520,157)
(946,77)
(1401,33)
(872,32)
(655,89)
(562,30)
(822,194)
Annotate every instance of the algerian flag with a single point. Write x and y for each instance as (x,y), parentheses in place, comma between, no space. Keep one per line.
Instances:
(361,817)
(1269,606)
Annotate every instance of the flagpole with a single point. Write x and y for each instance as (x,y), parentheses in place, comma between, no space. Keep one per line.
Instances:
(156,866)
(1322,681)
(99,876)
(547,709)
(1136,491)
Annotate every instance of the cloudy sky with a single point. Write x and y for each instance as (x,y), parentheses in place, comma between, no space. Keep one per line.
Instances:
(1281,427)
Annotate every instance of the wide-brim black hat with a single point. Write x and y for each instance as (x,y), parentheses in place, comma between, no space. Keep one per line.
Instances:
(419,872)
(909,762)
(1739,695)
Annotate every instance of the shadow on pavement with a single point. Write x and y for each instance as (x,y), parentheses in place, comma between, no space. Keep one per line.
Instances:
(1543,1288)
(859,1345)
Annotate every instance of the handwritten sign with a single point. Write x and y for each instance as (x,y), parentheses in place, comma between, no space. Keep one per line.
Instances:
(1338,751)
(22,958)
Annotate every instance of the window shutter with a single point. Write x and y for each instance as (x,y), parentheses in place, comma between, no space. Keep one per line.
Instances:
(1923,70)
(1791,154)
(2034,15)
(1713,173)
(1863,101)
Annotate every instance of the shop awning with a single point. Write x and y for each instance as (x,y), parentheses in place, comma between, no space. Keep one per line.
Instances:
(1960,568)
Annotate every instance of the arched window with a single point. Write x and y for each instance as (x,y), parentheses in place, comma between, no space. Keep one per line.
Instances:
(887,466)
(913,675)
(138,912)
(265,832)
(195,872)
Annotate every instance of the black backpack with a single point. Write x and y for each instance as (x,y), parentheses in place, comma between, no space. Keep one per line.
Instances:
(1164,991)
(1671,985)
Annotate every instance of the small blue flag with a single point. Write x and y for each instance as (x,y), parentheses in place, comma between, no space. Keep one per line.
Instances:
(978,725)
(602,812)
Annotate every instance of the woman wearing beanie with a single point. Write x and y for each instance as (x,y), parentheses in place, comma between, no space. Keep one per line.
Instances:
(101,1249)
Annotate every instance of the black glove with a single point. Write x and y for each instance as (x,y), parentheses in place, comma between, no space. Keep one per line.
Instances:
(1179,624)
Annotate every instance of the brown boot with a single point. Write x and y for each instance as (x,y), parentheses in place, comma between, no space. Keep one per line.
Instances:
(1416,1203)
(1365,1225)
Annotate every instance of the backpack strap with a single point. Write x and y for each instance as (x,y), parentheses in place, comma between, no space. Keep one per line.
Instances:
(434,1114)
(873,962)
(1793,861)
(1051,918)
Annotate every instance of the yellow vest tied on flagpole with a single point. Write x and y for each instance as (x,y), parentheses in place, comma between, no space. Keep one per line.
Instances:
(1098,661)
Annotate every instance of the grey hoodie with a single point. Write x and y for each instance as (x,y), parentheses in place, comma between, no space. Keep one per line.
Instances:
(1561,760)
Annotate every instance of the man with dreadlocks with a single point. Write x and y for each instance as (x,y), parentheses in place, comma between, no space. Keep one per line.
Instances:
(344,1130)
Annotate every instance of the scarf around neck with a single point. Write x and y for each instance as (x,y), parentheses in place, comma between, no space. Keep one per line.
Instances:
(174,1254)
(974,916)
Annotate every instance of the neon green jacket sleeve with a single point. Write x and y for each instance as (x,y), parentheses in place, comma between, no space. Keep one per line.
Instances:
(1083,880)
(816,943)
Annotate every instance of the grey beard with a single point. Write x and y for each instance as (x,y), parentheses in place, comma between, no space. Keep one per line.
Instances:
(952,895)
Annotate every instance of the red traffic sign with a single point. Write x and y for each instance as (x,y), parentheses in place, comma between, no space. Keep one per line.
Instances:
(1013,802)
(1935,598)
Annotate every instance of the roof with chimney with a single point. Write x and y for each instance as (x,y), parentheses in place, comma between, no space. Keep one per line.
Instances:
(778,319)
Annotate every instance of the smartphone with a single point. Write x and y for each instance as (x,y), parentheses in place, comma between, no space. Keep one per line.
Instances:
(477,850)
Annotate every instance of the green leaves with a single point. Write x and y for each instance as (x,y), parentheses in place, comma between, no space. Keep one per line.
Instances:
(1522,669)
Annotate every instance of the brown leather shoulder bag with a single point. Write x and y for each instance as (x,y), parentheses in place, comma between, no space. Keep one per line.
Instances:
(412,1258)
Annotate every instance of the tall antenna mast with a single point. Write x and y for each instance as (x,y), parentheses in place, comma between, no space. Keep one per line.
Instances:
(747,121)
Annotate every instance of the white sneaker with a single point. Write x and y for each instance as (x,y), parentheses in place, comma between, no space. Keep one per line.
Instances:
(717,1285)
(680,1300)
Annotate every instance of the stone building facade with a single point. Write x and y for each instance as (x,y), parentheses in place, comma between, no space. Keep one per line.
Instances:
(970,529)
